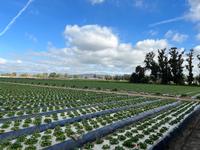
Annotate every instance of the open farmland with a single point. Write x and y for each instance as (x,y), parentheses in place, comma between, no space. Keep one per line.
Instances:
(36,117)
(113,85)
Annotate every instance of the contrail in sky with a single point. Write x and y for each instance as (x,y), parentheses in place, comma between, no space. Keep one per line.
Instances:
(167,21)
(15,18)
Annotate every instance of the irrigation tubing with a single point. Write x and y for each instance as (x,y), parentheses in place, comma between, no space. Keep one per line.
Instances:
(163,142)
(48,105)
(101,132)
(43,127)
(3,120)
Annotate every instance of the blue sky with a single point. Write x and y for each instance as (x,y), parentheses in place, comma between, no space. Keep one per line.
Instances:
(102,36)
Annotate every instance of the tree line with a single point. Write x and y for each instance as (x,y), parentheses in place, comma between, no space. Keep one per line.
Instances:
(168,69)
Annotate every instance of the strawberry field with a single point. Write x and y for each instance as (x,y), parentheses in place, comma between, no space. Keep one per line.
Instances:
(36,117)
(173,90)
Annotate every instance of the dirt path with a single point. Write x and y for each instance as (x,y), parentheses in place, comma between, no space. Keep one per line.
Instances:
(113,92)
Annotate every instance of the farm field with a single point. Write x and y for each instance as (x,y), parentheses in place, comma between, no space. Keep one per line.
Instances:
(113,85)
(56,118)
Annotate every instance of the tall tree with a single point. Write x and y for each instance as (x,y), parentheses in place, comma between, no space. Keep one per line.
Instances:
(151,64)
(164,69)
(190,66)
(198,56)
(176,64)
(138,76)
(140,71)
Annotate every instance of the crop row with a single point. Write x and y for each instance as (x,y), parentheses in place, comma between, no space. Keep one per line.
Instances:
(18,100)
(144,134)
(55,116)
(111,85)
(67,131)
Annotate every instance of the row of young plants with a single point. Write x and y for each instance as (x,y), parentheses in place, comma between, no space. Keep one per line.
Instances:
(46,119)
(43,127)
(147,133)
(19,100)
(75,130)
(96,106)
(173,90)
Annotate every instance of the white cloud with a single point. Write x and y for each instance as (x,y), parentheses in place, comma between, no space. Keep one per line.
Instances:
(93,2)
(89,49)
(193,14)
(176,36)
(2,61)
(90,37)
(194,11)
(151,44)
(197,48)
(92,46)
(15,18)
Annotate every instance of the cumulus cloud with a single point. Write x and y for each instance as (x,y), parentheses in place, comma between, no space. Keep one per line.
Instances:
(81,56)
(93,2)
(89,49)
(90,37)
(150,44)
(91,46)
(176,36)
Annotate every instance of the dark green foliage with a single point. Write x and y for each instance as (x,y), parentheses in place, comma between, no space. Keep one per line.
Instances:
(164,69)
(190,66)
(16,145)
(88,146)
(176,64)
(99,141)
(139,75)
(119,148)
(151,64)
(128,143)
(106,146)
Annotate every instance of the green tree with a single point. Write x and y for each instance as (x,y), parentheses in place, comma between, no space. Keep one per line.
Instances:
(52,75)
(189,66)
(198,57)
(151,64)
(164,69)
(176,64)
(138,76)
